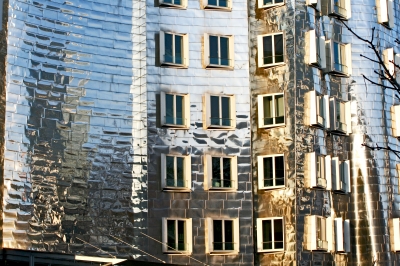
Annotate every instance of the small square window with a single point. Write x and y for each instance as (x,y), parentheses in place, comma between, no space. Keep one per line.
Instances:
(220,111)
(270,234)
(337,8)
(338,58)
(175,172)
(318,233)
(317,107)
(340,175)
(271,50)
(174,49)
(271,171)
(271,110)
(223,236)
(315,49)
(221,172)
(317,171)
(175,110)
(182,4)
(270,3)
(340,116)
(218,51)
(385,12)
(177,236)
(222,5)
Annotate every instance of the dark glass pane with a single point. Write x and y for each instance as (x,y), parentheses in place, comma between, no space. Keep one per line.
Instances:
(216,171)
(268,118)
(227,172)
(268,2)
(179,110)
(268,172)
(225,109)
(229,235)
(168,57)
(278,40)
(178,49)
(267,49)
(278,1)
(170,171)
(214,55)
(181,235)
(223,3)
(169,109)
(217,227)
(279,171)
(179,172)
(267,234)
(224,48)
(278,233)
(177,2)
(215,118)
(212,2)
(336,57)
(171,234)
(279,109)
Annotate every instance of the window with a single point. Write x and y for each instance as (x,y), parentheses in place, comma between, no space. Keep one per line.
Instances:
(173,3)
(314,3)
(315,49)
(220,111)
(338,8)
(317,109)
(221,172)
(338,58)
(174,49)
(271,110)
(223,235)
(218,51)
(175,110)
(271,171)
(340,175)
(388,59)
(317,171)
(270,3)
(396,70)
(395,113)
(270,234)
(340,116)
(318,233)
(385,12)
(218,4)
(177,235)
(175,172)
(271,50)
(342,235)
(394,228)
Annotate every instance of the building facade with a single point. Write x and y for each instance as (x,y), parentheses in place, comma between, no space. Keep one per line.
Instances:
(212,132)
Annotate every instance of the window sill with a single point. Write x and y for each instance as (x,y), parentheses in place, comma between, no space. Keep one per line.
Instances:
(172,65)
(338,16)
(271,5)
(271,251)
(272,126)
(386,25)
(273,65)
(338,73)
(219,67)
(176,189)
(173,126)
(339,191)
(214,127)
(217,8)
(224,252)
(219,189)
(271,188)
(166,5)
(182,252)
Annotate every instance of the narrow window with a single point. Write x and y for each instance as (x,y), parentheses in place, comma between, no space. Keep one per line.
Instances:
(272,49)
(173,49)
(174,109)
(223,235)
(321,179)
(272,234)
(322,242)
(273,171)
(220,111)
(273,110)
(176,235)
(219,50)
(221,172)
(175,172)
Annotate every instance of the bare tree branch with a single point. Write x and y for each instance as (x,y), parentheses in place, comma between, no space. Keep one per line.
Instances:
(377,147)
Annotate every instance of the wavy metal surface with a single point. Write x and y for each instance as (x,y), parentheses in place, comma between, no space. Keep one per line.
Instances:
(75,135)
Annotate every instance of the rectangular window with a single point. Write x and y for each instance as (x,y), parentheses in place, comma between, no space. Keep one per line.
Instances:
(177,235)
(395,114)
(394,231)
(342,235)
(315,49)
(385,12)
(271,50)
(175,172)
(173,3)
(317,171)
(340,116)
(219,51)
(221,172)
(271,110)
(270,3)
(175,110)
(220,111)
(224,5)
(270,234)
(388,59)
(174,49)
(340,175)
(338,57)
(337,8)
(317,107)
(318,233)
(223,235)
(271,171)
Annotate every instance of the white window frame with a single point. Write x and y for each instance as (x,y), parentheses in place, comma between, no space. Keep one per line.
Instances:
(188,236)
(187,173)
(260,161)
(164,4)
(388,60)
(343,12)
(231,58)
(314,3)
(344,125)
(261,118)
(340,175)
(395,113)
(208,182)
(341,69)
(185,50)
(317,116)
(261,4)
(317,171)
(342,235)
(315,49)
(260,49)
(207,112)
(313,224)
(260,232)
(185,107)
(210,237)
(208,6)
(385,12)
